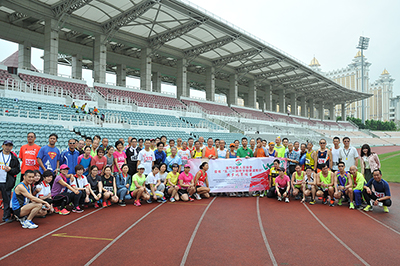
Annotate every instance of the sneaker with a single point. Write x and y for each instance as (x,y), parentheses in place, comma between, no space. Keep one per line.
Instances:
(262,194)
(385,209)
(287,200)
(255,194)
(104,204)
(108,203)
(162,200)
(149,201)
(339,202)
(246,194)
(29,224)
(198,197)
(351,207)
(279,198)
(191,199)
(137,203)
(239,194)
(324,200)
(312,202)
(332,203)
(359,207)
(122,203)
(56,210)
(368,208)
(64,212)
(96,205)
(77,209)
(172,199)
(297,197)
(9,220)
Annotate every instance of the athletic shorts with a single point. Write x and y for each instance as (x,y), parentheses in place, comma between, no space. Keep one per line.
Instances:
(198,187)
(181,192)
(17,212)
(282,190)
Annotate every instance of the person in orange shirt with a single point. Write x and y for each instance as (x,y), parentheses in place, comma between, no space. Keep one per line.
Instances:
(28,155)
(260,151)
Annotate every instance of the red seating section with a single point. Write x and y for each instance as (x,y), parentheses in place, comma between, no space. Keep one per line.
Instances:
(213,109)
(251,114)
(4,75)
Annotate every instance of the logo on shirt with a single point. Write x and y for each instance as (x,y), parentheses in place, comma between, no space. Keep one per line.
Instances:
(238,162)
(52,154)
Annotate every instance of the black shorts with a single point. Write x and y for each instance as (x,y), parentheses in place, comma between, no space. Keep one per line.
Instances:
(181,192)
(17,212)
(282,190)
(198,187)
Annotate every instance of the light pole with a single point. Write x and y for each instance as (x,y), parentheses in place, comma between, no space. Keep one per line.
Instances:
(362,45)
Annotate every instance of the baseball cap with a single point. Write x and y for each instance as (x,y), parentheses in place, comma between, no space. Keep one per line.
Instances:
(282,169)
(6,142)
(187,165)
(64,166)
(271,143)
(232,145)
(141,166)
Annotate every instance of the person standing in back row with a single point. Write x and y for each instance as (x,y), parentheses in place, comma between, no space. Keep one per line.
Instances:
(210,151)
(28,155)
(369,162)
(132,154)
(323,157)
(348,154)
(49,156)
(335,153)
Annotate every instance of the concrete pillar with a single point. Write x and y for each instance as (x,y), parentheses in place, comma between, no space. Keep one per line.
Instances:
(100,57)
(252,95)
(121,75)
(332,112)
(321,110)
(303,106)
(273,105)
(145,69)
(24,55)
(181,79)
(261,103)
(233,90)
(76,69)
(343,111)
(210,83)
(50,46)
(311,106)
(293,104)
(282,103)
(267,98)
(156,81)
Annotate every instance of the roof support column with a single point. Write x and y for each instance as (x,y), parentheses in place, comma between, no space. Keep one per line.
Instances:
(311,106)
(156,81)
(293,104)
(145,69)
(282,104)
(210,83)
(233,90)
(252,95)
(50,47)
(181,79)
(332,112)
(321,111)
(273,105)
(100,57)
(24,55)
(261,103)
(121,75)
(267,98)
(343,111)
(303,107)
(76,69)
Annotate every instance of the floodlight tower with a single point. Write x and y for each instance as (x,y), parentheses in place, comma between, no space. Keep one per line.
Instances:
(362,45)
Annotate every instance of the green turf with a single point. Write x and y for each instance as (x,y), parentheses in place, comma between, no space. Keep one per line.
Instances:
(389,166)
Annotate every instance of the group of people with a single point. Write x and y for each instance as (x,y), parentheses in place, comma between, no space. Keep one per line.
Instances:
(93,172)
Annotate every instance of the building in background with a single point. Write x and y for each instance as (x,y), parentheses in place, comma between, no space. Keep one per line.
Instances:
(377,106)
(394,109)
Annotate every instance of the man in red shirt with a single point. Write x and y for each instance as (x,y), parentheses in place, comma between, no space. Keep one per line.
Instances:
(28,155)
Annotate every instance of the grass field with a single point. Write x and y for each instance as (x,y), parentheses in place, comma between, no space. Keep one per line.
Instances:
(389,166)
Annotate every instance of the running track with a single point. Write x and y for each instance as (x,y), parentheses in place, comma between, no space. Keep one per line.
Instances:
(231,231)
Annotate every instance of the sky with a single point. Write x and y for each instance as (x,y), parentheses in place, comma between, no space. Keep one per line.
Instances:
(328,30)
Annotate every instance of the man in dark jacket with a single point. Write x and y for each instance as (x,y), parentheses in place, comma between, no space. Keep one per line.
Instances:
(132,153)
(9,168)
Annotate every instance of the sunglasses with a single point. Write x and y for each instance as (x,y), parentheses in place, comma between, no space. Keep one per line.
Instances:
(322,143)
(72,143)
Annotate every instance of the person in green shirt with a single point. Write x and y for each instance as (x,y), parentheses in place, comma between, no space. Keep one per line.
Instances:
(244,151)
(280,149)
(358,185)
(138,189)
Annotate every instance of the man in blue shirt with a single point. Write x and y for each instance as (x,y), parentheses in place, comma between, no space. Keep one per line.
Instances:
(293,158)
(381,195)
(70,156)
(49,156)
(160,154)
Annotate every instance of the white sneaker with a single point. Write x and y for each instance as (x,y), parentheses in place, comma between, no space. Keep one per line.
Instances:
(279,198)
(287,200)
(172,199)
(197,196)
(29,224)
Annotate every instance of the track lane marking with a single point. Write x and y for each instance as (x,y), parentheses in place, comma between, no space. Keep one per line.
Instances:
(51,232)
(271,255)
(81,237)
(381,223)
(337,238)
(121,235)
(185,255)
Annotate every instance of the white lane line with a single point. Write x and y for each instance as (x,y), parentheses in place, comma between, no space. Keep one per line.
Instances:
(43,236)
(120,235)
(185,255)
(271,255)
(337,238)
(376,220)
(3,223)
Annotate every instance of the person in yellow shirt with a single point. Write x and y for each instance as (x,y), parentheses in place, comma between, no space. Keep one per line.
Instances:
(273,173)
(280,149)
(171,183)
(324,182)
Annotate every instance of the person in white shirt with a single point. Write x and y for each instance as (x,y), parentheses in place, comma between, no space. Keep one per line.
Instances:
(44,190)
(222,150)
(335,153)
(80,182)
(146,157)
(348,154)
(184,153)
(154,186)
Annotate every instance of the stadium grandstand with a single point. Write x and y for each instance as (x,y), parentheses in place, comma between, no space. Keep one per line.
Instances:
(159,42)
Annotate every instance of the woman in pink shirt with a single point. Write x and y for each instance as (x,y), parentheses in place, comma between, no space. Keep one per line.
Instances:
(99,160)
(186,184)
(119,157)
(282,185)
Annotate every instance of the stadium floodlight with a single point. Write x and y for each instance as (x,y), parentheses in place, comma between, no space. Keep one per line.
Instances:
(362,45)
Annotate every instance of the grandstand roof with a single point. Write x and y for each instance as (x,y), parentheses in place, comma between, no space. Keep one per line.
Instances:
(173,30)
(12,61)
